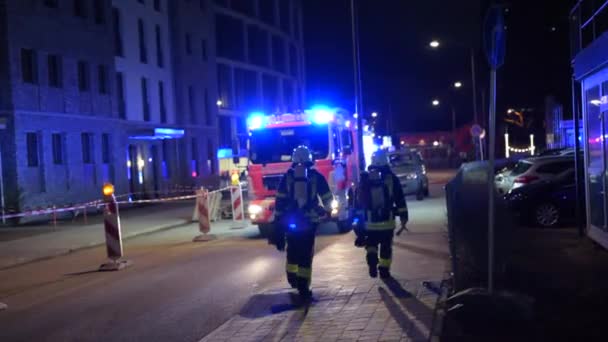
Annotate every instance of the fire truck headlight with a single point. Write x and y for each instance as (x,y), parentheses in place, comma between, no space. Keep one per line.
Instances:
(334,204)
(254,209)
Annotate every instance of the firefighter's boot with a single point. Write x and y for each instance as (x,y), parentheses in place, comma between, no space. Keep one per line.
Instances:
(292,279)
(372,262)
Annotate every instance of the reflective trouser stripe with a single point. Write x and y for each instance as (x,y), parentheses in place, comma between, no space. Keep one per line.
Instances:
(291,268)
(371,249)
(402,210)
(385,263)
(304,272)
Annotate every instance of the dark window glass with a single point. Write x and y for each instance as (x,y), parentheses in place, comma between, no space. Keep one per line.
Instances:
(258,46)
(80,8)
(555,168)
(231,30)
(244,6)
(278,53)
(161,99)
(267,13)
(293,61)
(285,11)
(143,52)
(87,148)
(83,76)
(274,145)
(225,133)
(211,156)
(118,48)
(270,93)
(224,85)
(50,3)
(102,77)
(29,66)
(120,95)
(191,104)
(188,44)
(204,49)
(100,12)
(160,58)
(58,148)
(105,148)
(245,90)
(208,117)
(33,152)
(195,157)
(144,98)
(157,5)
(55,69)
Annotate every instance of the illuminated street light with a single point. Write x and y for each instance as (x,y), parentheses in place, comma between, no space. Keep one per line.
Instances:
(219,102)
(510,110)
(434,44)
(457,84)
(374,114)
(435,103)
(355,115)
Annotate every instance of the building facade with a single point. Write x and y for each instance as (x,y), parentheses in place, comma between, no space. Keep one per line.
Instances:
(589,37)
(140,93)
(260,62)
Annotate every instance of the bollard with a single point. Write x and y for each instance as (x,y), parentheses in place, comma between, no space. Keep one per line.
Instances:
(111,221)
(238,212)
(204,222)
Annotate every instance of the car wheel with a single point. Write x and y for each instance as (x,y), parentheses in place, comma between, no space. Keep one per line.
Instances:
(546,215)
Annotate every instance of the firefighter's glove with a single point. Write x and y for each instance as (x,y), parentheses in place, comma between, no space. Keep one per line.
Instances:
(360,241)
(404,218)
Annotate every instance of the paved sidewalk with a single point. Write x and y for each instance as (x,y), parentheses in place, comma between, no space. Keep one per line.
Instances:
(349,305)
(134,222)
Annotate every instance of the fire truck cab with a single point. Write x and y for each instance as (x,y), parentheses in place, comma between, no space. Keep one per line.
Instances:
(329,133)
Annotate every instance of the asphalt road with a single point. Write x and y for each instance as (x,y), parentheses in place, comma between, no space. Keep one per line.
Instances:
(176,290)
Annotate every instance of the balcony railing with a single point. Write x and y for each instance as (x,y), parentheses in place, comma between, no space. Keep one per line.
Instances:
(588,20)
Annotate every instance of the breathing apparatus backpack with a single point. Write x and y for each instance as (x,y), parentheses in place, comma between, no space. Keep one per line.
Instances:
(380,204)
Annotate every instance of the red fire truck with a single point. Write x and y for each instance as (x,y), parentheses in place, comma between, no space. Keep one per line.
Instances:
(331,136)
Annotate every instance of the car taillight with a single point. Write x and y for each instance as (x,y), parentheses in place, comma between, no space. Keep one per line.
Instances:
(525,179)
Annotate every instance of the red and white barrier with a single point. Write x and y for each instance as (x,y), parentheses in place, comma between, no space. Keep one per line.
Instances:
(204,220)
(238,211)
(111,221)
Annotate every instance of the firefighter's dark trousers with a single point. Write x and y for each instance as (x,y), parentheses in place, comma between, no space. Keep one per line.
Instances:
(384,240)
(300,250)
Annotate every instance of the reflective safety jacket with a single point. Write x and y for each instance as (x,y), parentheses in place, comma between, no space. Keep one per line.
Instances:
(287,204)
(395,201)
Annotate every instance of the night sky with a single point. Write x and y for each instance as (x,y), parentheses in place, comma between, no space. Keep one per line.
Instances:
(401,74)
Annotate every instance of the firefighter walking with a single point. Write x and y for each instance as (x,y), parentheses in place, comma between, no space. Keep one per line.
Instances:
(297,215)
(379,199)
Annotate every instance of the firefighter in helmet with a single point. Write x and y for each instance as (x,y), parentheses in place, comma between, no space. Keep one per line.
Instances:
(297,215)
(379,199)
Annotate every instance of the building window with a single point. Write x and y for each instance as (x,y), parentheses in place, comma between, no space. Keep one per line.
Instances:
(232,43)
(224,85)
(50,3)
(102,77)
(58,148)
(194,161)
(143,53)
(87,148)
(191,104)
(267,8)
(157,6)
(80,9)
(204,49)
(33,149)
(29,66)
(120,95)
(161,98)
(208,117)
(270,90)
(210,157)
(54,70)
(293,61)
(278,53)
(100,12)
(246,89)
(160,58)
(225,131)
(118,48)
(105,148)
(144,98)
(188,44)
(83,76)
(258,46)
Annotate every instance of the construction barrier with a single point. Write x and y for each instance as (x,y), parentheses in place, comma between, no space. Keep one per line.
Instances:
(111,221)
(238,211)
(204,221)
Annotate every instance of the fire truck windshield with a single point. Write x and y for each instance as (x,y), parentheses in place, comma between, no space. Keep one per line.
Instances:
(274,145)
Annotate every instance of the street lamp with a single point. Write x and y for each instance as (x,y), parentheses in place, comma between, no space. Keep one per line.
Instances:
(457,84)
(435,103)
(510,110)
(374,114)
(434,44)
(219,103)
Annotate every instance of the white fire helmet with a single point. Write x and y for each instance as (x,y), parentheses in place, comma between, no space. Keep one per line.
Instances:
(380,158)
(301,155)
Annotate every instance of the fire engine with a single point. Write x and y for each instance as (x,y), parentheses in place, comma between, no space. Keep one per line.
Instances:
(330,134)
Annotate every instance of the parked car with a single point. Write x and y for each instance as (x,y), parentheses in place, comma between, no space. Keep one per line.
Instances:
(546,203)
(567,151)
(531,170)
(409,167)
